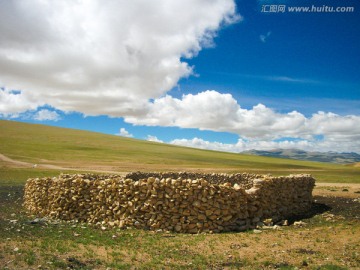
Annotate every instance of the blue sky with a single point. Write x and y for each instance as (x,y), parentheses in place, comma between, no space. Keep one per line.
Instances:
(304,56)
(225,77)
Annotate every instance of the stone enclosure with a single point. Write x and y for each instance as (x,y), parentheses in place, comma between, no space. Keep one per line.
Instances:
(181,202)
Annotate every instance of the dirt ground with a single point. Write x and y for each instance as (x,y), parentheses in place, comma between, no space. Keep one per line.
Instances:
(327,238)
(45,165)
(345,190)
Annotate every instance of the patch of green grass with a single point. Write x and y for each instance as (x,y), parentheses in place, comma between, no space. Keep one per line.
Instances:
(119,265)
(30,257)
(56,262)
(337,174)
(18,176)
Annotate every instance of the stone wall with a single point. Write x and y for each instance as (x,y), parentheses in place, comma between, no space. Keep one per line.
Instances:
(181,202)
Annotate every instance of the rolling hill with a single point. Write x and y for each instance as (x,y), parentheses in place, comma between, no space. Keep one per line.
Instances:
(84,150)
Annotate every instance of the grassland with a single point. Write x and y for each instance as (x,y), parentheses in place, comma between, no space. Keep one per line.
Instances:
(329,239)
(82,150)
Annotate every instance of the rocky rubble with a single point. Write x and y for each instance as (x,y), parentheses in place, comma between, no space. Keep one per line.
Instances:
(180,202)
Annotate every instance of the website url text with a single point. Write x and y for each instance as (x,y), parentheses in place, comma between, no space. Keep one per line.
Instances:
(309,9)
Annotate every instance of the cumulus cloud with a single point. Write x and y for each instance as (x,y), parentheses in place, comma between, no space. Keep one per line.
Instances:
(152,138)
(325,145)
(113,57)
(203,144)
(240,146)
(45,114)
(99,57)
(124,133)
(202,110)
(211,110)
(243,145)
(13,103)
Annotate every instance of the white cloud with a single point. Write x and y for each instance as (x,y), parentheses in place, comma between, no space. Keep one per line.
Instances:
(326,145)
(112,57)
(211,110)
(99,57)
(202,111)
(124,133)
(12,103)
(45,114)
(289,79)
(152,138)
(263,38)
(203,144)
(243,145)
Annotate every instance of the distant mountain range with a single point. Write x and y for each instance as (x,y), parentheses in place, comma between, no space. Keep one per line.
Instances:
(332,157)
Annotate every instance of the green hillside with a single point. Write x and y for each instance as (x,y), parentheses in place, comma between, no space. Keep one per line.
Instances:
(83,150)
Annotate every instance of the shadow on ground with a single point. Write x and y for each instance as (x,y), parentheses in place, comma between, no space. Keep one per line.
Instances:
(346,207)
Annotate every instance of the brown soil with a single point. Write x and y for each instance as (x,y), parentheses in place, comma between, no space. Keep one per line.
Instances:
(330,235)
(346,190)
(22,164)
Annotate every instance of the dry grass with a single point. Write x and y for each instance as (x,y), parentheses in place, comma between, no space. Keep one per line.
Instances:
(330,239)
(58,149)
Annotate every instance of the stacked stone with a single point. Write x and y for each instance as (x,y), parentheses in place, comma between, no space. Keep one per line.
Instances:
(181,202)
(36,195)
(280,197)
(243,179)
